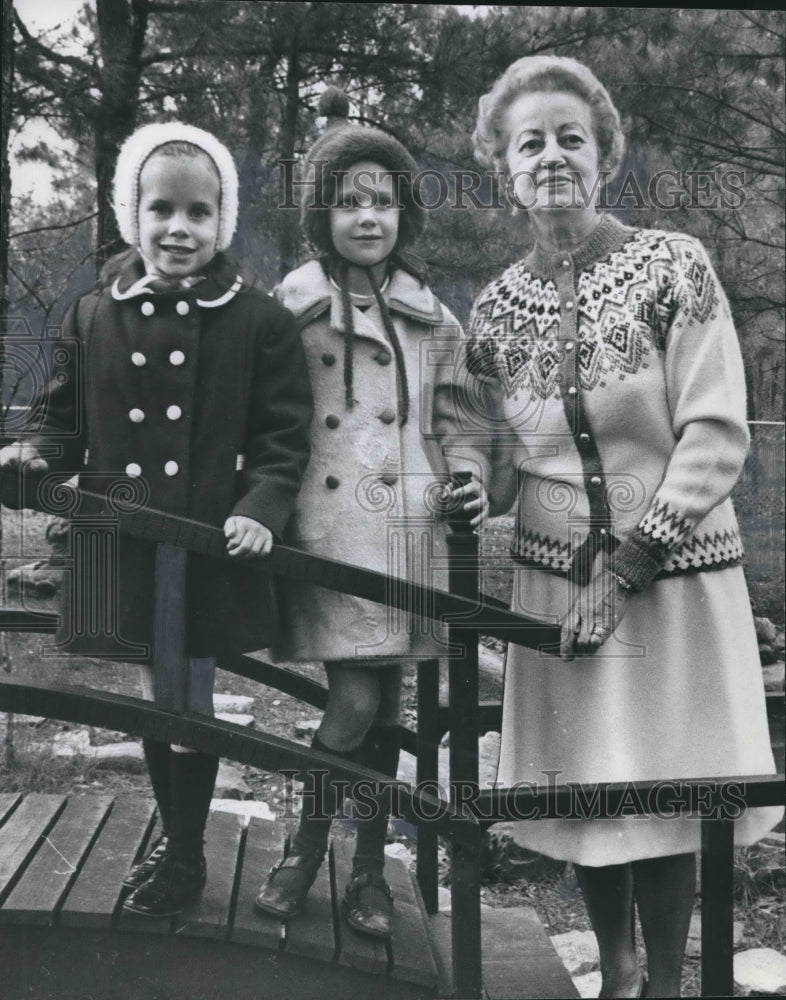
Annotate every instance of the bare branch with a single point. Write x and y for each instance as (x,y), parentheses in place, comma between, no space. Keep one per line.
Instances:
(45,229)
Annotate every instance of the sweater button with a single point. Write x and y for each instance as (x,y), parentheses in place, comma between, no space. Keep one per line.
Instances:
(568,345)
(133,469)
(566,265)
(138,359)
(584,438)
(136,416)
(572,390)
(147,308)
(387,416)
(389,478)
(174,412)
(177,358)
(328,359)
(183,308)
(382,357)
(568,306)
(332,483)
(332,421)
(595,480)
(171,468)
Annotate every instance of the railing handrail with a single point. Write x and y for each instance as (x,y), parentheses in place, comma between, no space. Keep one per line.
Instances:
(107,710)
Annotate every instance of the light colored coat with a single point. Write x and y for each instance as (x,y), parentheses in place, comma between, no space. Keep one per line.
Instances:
(368,496)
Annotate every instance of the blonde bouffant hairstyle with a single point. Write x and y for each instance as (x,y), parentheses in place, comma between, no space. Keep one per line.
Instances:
(532,74)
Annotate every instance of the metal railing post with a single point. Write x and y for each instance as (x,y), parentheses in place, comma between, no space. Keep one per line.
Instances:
(428,735)
(717,907)
(463,714)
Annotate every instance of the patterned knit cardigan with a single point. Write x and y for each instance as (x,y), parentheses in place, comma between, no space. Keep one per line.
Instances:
(616,374)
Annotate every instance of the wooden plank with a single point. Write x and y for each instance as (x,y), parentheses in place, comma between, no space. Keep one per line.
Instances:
(94,897)
(355,950)
(519,959)
(22,835)
(264,848)
(8,802)
(400,880)
(210,916)
(413,959)
(39,892)
(312,932)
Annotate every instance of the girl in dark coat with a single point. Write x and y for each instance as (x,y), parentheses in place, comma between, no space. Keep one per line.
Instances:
(171,376)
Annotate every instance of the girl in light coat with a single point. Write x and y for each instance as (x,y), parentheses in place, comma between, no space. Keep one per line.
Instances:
(381,351)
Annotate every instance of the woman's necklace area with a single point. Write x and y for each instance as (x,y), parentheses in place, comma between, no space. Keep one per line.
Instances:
(569,242)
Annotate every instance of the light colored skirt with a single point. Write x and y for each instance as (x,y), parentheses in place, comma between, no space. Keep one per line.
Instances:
(677,692)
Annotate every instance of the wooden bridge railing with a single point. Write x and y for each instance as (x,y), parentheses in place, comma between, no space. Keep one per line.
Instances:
(462,818)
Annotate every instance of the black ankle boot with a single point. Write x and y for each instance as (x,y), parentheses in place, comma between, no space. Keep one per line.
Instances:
(173,885)
(287,885)
(180,876)
(157,760)
(139,874)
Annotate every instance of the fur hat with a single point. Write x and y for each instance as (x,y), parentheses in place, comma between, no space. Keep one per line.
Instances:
(343,144)
(140,146)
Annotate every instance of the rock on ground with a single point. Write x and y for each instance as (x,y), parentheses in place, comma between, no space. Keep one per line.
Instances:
(578,951)
(247,808)
(693,947)
(239,719)
(232,703)
(588,984)
(760,971)
(230,783)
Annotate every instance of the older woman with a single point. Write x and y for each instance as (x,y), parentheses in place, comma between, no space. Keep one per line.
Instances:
(614,361)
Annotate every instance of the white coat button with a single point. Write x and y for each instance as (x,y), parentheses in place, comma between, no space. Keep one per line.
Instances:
(136,416)
(177,358)
(133,469)
(174,412)
(138,359)
(568,345)
(147,308)
(171,468)
(183,308)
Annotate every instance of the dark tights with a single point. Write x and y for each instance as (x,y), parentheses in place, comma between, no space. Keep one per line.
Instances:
(664,890)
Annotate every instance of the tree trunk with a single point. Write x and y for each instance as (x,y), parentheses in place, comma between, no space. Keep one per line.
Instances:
(121,36)
(289,233)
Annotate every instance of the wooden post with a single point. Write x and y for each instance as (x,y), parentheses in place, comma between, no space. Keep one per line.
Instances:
(717,907)
(428,735)
(463,713)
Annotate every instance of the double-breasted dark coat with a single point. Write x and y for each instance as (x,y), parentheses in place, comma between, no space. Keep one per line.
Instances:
(198,402)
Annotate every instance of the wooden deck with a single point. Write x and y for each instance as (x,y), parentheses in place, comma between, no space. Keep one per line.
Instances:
(65,936)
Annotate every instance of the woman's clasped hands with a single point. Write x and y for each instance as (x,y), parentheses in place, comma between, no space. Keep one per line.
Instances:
(595,613)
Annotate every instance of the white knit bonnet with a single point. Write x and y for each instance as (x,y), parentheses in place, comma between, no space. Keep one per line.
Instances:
(135,152)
